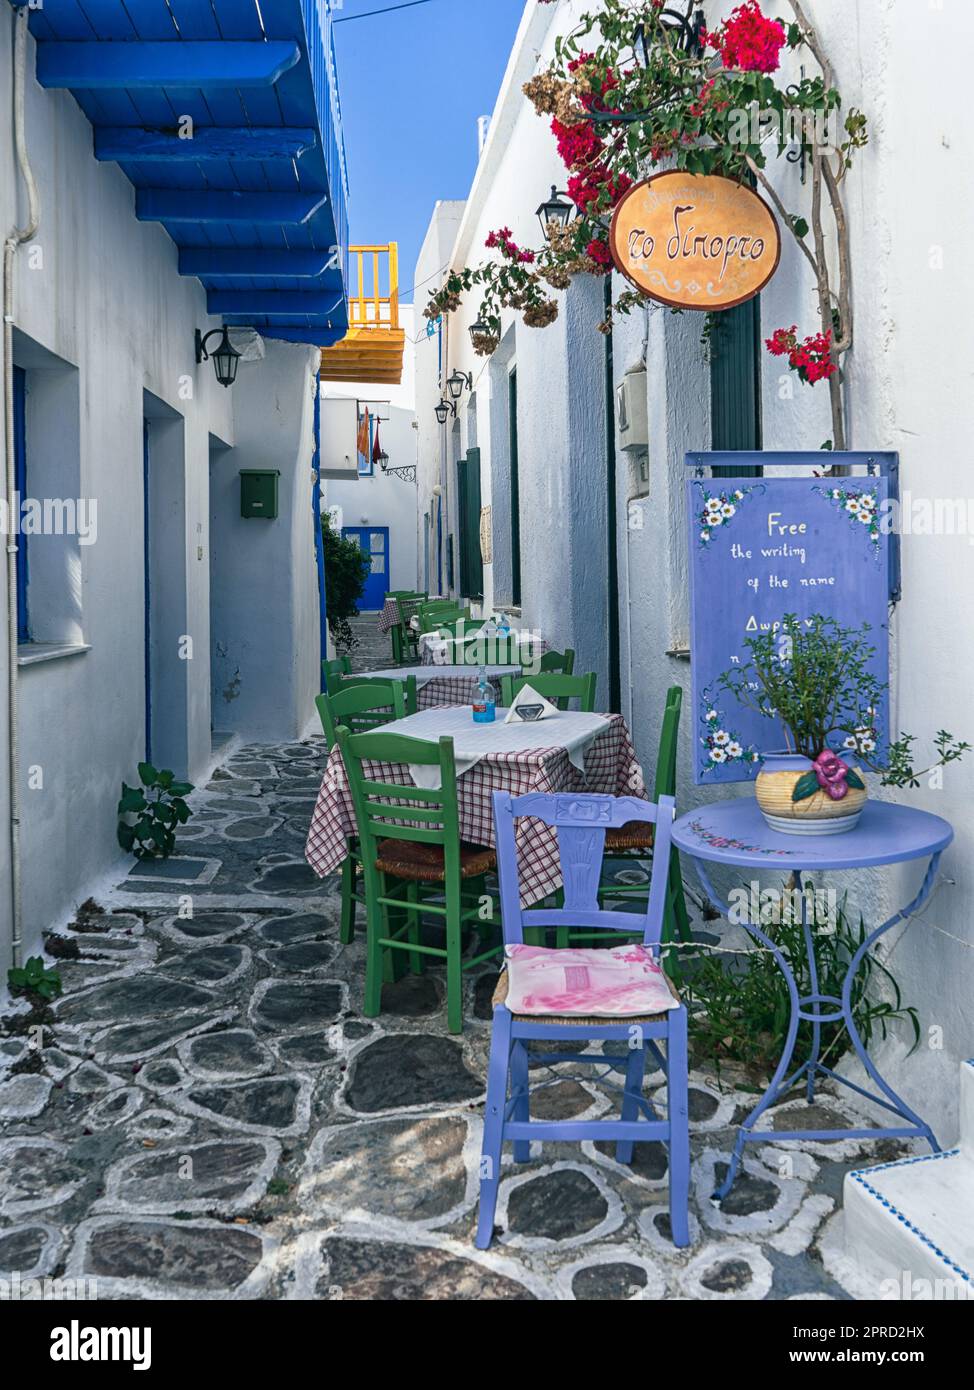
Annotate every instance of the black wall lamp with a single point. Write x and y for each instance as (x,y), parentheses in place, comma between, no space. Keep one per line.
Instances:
(444,410)
(478,330)
(688,30)
(556,212)
(457,382)
(225,357)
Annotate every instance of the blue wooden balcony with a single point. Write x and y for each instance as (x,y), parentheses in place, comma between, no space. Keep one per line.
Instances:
(225,116)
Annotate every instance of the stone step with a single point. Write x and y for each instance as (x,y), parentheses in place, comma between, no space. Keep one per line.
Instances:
(967,1109)
(909,1225)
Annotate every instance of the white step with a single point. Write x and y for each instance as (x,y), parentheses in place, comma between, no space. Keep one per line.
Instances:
(967,1108)
(909,1225)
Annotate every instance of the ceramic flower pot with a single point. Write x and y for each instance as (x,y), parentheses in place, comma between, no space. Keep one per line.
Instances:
(793,794)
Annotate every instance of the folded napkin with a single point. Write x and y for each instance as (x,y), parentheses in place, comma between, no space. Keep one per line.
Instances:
(529,696)
(620,982)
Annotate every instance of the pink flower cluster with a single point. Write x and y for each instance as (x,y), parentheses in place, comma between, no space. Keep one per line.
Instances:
(502,239)
(748,41)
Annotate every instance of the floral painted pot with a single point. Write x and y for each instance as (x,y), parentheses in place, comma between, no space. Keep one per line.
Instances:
(817,814)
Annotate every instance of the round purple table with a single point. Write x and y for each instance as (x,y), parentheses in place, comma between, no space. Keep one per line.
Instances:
(734,833)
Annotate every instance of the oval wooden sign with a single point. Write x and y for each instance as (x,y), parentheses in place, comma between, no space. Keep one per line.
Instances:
(695,241)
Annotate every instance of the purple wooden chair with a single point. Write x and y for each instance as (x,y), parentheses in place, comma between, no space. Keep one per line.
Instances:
(580,822)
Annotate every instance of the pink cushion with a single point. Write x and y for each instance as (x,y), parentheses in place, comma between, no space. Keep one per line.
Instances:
(615,983)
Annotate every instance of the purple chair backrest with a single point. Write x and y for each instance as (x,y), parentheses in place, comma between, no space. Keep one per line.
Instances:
(580,821)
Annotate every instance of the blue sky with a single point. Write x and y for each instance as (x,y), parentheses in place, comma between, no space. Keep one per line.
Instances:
(413,83)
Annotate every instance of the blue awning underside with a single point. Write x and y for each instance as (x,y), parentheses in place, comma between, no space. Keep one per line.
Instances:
(225,116)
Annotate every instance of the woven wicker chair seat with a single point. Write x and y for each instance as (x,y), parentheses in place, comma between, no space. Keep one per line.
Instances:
(635,834)
(414,859)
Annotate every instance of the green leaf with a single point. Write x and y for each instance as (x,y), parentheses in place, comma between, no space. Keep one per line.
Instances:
(181,788)
(855,781)
(166,778)
(799,226)
(126,836)
(132,801)
(806,786)
(16,977)
(148,774)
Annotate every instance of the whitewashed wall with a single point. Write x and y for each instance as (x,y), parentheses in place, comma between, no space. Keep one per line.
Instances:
(909,201)
(105,311)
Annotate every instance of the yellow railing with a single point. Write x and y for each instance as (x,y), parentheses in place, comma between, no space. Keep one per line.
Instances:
(370,308)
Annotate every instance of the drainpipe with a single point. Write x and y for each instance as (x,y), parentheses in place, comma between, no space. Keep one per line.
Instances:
(16,238)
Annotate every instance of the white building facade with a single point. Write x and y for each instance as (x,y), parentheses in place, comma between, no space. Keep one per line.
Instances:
(166,620)
(563,491)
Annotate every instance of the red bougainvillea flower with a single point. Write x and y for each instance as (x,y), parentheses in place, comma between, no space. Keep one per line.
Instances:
(812,358)
(501,240)
(598,251)
(748,40)
(831,773)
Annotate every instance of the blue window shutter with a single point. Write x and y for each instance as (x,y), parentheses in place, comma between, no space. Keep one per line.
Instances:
(20,477)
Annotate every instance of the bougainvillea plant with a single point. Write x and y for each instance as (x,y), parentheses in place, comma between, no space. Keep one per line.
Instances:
(723,110)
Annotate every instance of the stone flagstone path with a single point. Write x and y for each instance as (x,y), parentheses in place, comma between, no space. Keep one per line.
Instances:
(210,1116)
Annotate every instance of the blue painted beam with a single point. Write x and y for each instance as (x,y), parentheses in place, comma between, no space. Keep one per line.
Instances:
(132,143)
(255,262)
(94,66)
(180,205)
(289,303)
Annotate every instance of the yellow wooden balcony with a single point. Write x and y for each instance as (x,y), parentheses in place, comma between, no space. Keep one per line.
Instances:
(372,350)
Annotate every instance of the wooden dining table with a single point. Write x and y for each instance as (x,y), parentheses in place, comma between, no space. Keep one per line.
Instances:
(567,752)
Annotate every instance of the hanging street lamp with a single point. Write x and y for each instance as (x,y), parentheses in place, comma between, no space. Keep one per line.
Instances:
(225,357)
(556,212)
(457,382)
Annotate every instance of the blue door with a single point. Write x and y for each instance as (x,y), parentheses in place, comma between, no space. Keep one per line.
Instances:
(374,542)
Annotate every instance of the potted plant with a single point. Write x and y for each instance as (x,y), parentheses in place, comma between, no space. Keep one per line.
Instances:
(813,677)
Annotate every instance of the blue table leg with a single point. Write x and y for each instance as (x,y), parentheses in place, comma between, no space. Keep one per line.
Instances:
(809,1008)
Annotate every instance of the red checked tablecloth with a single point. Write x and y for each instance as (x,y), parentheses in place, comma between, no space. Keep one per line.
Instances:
(451,685)
(389,617)
(610,768)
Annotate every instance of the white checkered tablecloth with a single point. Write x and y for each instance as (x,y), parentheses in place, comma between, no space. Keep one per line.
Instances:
(389,617)
(519,647)
(610,768)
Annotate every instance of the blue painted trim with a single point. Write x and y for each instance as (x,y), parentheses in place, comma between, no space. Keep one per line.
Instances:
(319,539)
(859,1176)
(294,303)
(254,262)
(20,484)
(93,65)
(135,145)
(147,577)
(213,205)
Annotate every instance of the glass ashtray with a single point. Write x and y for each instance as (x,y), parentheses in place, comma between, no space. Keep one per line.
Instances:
(530,712)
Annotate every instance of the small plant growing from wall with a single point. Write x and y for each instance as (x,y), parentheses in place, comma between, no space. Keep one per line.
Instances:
(158,806)
(346,570)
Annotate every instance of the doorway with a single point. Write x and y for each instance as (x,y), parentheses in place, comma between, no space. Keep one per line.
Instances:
(373,541)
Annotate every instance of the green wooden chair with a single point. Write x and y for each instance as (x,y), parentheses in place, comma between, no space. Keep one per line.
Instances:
(341,666)
(396,632)
(408,643)
(556,663)
(558,689)
(414,863)
(359,707)
(407,684)
(432,621)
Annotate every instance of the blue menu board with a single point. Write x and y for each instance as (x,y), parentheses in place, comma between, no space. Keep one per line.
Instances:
(760,548)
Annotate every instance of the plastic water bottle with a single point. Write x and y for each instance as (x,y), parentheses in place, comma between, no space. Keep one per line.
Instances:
(504,627)
(483,704)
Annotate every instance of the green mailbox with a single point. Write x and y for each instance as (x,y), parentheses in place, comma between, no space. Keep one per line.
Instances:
(258,492)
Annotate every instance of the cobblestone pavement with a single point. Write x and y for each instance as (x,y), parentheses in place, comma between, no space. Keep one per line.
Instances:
(210,1116)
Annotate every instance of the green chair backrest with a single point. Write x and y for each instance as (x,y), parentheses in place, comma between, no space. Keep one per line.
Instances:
(665,783)
(392,811)
(430,622)
(558,689)
(558,663)
(408,608)
(342,666)
(408,684)
(360,707)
